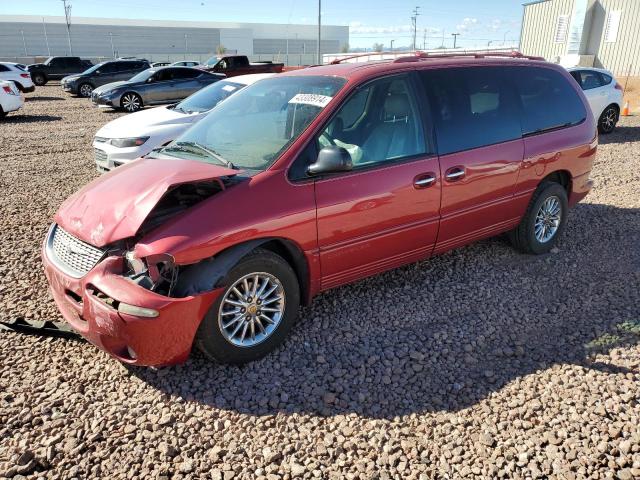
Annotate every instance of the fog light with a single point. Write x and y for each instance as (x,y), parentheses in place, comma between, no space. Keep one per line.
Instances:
(137,311)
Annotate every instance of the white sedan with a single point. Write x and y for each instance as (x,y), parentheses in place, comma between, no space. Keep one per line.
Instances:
(127,138)
(603,93)
(17,73)
(10,98)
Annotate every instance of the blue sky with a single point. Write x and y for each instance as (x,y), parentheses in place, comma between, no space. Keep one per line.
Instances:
(478,21)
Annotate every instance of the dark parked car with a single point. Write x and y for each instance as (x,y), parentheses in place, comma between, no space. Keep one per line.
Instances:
(233,65)
(101,74)
(154,86)
(55,68)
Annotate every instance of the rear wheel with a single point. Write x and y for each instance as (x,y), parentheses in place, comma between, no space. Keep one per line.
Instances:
(608,119)
(131,102)
(85,90)
(39,79)
(544,220)
(255,312)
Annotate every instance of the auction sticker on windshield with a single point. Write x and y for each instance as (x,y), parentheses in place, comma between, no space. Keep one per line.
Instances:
(316,100)
(229,88)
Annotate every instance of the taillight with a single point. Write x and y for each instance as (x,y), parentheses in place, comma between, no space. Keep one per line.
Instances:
(618,87)
(7,89)
(25,75)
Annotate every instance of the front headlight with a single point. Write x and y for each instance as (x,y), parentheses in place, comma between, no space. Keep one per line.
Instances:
(128,142)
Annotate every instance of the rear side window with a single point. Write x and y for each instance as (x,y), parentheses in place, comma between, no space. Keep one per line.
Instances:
(548,100)
(471,107)
(589,79)
(4,68)
(182,73)
(606,79)
(109,68)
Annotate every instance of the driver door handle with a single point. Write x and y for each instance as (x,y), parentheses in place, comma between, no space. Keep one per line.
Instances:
(424,181)
(454,174)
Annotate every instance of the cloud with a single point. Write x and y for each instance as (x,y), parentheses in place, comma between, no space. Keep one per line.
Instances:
(467,24)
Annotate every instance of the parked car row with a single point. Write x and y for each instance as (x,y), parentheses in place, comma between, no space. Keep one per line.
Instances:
(308,180)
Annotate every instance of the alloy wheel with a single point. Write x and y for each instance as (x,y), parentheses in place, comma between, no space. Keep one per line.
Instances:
(85,90)
(131,102)
(251,309)
(609,119)
(548,219)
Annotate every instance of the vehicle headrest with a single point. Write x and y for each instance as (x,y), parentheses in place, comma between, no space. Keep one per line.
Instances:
(396,108)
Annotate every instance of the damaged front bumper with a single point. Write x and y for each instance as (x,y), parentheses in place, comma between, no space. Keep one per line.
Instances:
(162,333)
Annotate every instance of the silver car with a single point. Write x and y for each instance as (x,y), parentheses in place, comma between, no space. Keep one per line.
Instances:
(153,86)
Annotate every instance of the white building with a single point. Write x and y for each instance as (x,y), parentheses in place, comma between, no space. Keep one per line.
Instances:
(32,36)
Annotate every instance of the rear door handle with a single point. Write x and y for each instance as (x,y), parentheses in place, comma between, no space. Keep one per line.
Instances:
(454,174)
(424,181)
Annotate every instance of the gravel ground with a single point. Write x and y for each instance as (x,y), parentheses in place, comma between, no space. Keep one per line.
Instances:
(479,363)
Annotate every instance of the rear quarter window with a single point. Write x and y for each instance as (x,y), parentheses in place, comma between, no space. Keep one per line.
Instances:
(547,99)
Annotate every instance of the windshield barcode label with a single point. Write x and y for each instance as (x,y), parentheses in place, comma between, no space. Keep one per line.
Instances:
(320,101)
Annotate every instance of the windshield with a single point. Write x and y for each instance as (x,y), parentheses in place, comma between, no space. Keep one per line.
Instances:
(207,98)
(212,61)
(48,61)
(142,76)
(93,69)
(252,128)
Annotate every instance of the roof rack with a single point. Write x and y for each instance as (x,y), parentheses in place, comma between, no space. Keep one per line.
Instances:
(361,55)
(418,56)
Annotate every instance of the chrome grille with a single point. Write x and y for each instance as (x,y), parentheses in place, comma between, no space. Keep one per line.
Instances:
(101,155)
(73,256)
(100,139)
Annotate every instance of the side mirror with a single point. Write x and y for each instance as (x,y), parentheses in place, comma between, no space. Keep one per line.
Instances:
(331,159)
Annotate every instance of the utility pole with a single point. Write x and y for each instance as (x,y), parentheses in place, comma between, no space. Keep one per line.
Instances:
(414,20)
(392,44)
(319,31)
(24,44)
(113,50)
(67,16)
(424,40)
(185,46)
(46,39)
(455,38)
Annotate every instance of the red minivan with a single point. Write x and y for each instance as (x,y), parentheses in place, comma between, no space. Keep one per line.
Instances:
(310,180)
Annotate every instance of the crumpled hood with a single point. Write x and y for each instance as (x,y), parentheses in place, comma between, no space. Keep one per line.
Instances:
(114,205)
(108,86)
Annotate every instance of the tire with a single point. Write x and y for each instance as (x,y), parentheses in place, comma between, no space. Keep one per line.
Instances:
(529,239)
(227,348)
(39,79)
(85,90)
(608,119)
(131,102)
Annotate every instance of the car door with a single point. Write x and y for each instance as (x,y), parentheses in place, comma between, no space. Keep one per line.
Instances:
(384,212)
(481,150)
(186,82)
(165,87)
(56,68)
(107,73)
(594,89)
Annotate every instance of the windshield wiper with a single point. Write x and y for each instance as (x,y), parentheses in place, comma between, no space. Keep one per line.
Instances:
(208,151)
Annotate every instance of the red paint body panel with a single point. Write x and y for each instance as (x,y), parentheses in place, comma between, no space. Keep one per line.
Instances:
(364,223)
(114,205)
(346,226)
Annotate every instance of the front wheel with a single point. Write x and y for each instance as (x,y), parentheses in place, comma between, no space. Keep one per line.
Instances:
(544,220)
(608,119)
(131,102)
(255,312)
(85,90)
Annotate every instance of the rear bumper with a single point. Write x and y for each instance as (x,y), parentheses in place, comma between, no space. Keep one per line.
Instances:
(30,89)
(11,103)
(163,340)
(580,187)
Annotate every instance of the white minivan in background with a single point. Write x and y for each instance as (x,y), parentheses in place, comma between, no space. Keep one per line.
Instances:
(133,136)
(604,94)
